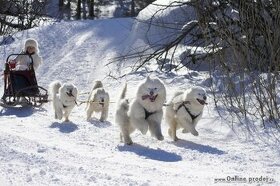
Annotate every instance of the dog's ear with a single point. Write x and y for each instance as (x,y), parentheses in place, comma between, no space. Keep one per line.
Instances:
(97,84)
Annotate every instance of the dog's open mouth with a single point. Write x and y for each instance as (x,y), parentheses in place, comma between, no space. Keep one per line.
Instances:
(152,98)
(202,102)
(101,103)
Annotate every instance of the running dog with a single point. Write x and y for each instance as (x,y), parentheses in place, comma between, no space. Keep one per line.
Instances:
(144,112)
(98,101)
(185,110)
(122,119)
(63,99)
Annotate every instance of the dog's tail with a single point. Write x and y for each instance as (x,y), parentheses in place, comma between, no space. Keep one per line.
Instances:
(54,87)
(123,94)
(97,84)
(121,116)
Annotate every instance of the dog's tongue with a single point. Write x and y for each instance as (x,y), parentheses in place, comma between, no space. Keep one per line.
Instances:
(151,98)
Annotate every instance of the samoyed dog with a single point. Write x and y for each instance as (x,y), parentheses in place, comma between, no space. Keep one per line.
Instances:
(63,99)
(144,112)
(185,110)
(122,119)
(98,101)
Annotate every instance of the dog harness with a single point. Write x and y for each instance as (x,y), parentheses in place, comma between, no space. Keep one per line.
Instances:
(70,94)
(147,113)
(188,111)
(64,106)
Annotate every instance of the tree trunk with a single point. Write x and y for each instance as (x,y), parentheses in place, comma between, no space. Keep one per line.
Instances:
(61,3)
(132,8)
(91,9)
(78,15)
(68,9)
(84,9)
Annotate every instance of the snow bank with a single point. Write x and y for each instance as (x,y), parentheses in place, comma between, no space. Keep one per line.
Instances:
(160,23)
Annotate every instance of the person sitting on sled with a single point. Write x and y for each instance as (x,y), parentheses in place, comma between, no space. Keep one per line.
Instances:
(22,62)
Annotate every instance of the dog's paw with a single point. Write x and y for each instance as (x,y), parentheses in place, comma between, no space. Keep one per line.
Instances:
(176,138)
(102,119)
(128,141)
(195,133)
(160,137)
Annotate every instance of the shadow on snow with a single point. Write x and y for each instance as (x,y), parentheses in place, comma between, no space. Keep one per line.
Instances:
(65,127)
(19,111)
(149,153)
(100,124)
(198,147)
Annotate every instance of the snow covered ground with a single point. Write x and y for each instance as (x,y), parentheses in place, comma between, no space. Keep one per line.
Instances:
(36,149)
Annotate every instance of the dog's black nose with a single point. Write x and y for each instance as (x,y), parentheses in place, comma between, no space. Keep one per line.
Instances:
(204,97)
(102,100)
(151,93)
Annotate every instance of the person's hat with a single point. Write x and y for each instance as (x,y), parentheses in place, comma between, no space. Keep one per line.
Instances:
(31,42)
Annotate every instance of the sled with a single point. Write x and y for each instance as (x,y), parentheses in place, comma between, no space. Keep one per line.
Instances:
(20,86)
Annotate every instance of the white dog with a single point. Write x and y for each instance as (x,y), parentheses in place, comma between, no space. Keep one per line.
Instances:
(122,119)
(98,101)
(63,99)
(144,112)
(185,110)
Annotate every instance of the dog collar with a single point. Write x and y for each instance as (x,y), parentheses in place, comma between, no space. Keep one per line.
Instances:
(188,111)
